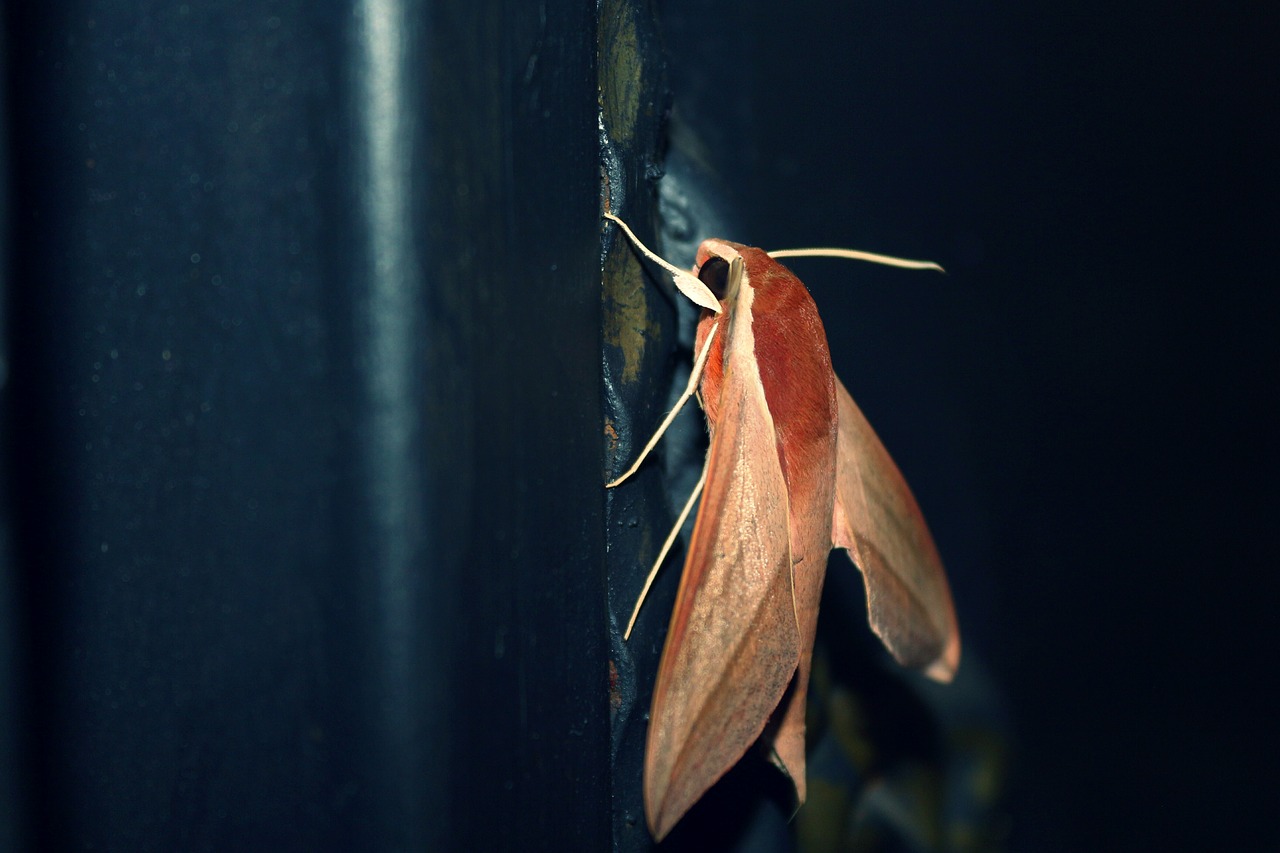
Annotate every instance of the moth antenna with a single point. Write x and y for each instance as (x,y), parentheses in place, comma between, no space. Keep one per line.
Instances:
(686,282)
(855,255)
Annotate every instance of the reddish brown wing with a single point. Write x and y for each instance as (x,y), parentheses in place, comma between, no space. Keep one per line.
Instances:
(733,644)
(795,369)
(879,523)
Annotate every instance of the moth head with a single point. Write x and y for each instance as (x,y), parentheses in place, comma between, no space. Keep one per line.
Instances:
(721,269)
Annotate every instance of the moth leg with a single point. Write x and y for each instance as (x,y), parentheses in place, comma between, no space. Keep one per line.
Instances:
(666,547)
(694,376)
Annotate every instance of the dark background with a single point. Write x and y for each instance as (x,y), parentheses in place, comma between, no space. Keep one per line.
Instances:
(302,534)
(304,547)
(1084,406)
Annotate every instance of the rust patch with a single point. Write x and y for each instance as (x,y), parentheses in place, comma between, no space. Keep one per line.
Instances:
(622,72)
(627,309)
(615,689)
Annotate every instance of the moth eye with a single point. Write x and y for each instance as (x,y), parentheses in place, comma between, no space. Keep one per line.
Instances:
(715,275)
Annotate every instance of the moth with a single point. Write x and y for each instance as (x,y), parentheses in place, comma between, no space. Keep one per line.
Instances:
(793,470)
